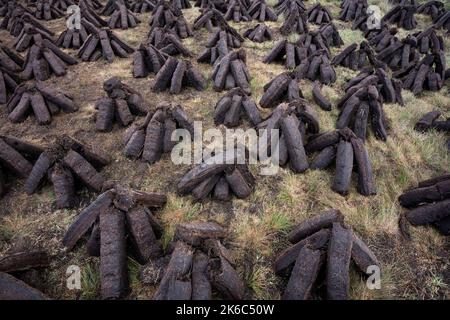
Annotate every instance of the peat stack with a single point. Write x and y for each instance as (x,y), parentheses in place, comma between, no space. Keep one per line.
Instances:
(45,59)
(181,4)
(353,10)
(291,54)
(74,38)
(429,41)
(428,204)
(400,54)
(319,14)
(360,104)
(348,152)
(237,11)
(40,100)
(68,164)
(15,266)
(122,18)
(426,75)
(167,41)
(175,75)
(233,38)
(62,5)
(322,39)
(317,67)
(120,218)
(111,6)
(93,4)
(166,15)
(218,179)
(103,43)
(432,8)
(295,121)
(233,106)
(147,59)
(259,33)
(323,244)
(199,265)
(429,121)
(216,48)
(443,21)
(209,18)
(6,6)
(382,38)
(122,105)
(152,138)
(88,13)
(46,10)
(30,35)
(16,160)
(142,6)
(259,10)
(219,5)
(284,87)
(402,16)
(357,57)
(231,71)
(284,7)
(16,20)
(295,21)
(330,35)
(9,81)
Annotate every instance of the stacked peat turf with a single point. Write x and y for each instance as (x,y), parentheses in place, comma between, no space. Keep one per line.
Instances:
(382,38)
(9,81)
(15,266)
(237,11)
(29,36)
(283,7)
(284,87)
(259,33)
(111,6)
(356,58)
(443,21)
(233,105)
(209,18)
(181,4)
(167,41)
(317,67)
(362,103)
(199,264)
(40,100)
(295,121)
(103,43)
(122,18)
(323,242)
(88,13)
(319,98)
(427,74)
(400,54)
(353,10)
(259,10)
(428,203)
(319,14)
(62,5)
(142,6)
(46,10)
(291,53)
(147,59)
(295,21)
(216,48)
(74,38)
(5,6)
(344,148)
(432,8)
(218,178)
(329,34)
(175,75)
(429,121)
(93,4)
(232,37)
(152,138)
(231,71)
(122,105)
(213,4)
(67,162)
(16,159)
(402,15)
(116,215)
(165,15)
(16,20)
(45,59)
(429,41)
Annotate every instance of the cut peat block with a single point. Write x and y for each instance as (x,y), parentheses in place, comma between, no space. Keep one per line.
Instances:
(356,58)
(259,33)
(232,37)
(38,99)
(9,60)
(63,4)
(148,59)
(175,75)
(233,105)
(16,159)
(353,10)
(443,21)
(122,105)
(200,265)
(209,18)
(46,10)
(429,121)
(12,288)
(429,204)
(181,4)
(110,6)
(142,6)
(284,7)
(61,163)
(218,179)
(237,11)
(93,4)
(151,139)
(259,10)
(89,14)
(283,88)
(219,5)
(166,16)
(122,18)
(402,16)
(44,60)
(295,21)
(103,43)
(8,83)
(167,41)
(319,14)
(322,243)
(382,38)
(216,49)
(23,261)
(294,121)
(123,215)
(290,54)
(432,8)
(30,35)
(347,151)
(231,72)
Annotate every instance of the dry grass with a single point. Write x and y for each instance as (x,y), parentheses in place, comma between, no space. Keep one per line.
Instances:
(417,269)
